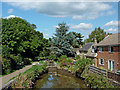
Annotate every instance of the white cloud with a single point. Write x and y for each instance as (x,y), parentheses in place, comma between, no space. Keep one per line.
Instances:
(10,10)
(12,16)
(46,35)
(81,26)
(111,12)
(111,30)
(56,26)
(61,0)
(112,24)
(77,10)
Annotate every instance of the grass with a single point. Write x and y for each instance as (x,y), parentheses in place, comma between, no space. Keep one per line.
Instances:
(25,79)
(58,62)
(41,62)
(40,68)
(12,78)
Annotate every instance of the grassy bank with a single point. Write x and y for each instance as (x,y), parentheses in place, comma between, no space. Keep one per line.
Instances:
(27,79)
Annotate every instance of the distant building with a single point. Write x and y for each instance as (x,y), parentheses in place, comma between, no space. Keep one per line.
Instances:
(85,49)
(76,51)
(92,52)
(108,53)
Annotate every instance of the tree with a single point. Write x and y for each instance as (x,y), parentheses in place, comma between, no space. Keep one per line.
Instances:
(20,40)
(98,33)
(60,44)
(75,39)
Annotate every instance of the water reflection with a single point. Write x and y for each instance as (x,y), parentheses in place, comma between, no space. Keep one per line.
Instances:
(59,81)
(50,77)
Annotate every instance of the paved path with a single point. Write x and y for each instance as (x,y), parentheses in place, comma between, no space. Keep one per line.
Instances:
(6,78)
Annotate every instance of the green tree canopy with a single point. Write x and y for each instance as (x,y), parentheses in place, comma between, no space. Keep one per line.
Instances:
(75,39)
(98,33)
(63,42)
(20,40)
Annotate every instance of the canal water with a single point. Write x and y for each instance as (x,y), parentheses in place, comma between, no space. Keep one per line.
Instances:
(62,80)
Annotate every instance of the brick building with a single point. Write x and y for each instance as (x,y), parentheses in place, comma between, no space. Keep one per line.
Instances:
(108,53)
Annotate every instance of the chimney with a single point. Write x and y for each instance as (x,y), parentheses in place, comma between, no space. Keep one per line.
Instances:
(106,35)
(95,40)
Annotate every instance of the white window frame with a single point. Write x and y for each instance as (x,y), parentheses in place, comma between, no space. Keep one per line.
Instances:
(110,49)
(93,49)
(111,65)
(100,61)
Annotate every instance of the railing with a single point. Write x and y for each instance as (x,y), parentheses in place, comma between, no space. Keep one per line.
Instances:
(98,70)
(114,76)
(111,75)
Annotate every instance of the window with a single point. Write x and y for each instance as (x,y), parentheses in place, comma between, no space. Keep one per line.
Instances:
(101,49)
(110,49)
(111,65)
(101,61)
(93,49)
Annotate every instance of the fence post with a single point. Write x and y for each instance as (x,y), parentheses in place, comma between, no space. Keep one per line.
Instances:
(107,73)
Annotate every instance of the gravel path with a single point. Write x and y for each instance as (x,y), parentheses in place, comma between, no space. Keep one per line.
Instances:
(6,78)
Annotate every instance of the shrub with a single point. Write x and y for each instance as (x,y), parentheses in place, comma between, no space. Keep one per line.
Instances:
(77,57)
(17,59)
(64,64)
(63,57)
(42,58)
(37,58)
(97,81)
(70,63)
(6,66)
(101,67)
(52,57)
(82,62)
(27,61)
(25,80)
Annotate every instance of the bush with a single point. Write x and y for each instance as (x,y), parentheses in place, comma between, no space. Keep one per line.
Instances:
(27,61)
(77,57)
(52,57)
(82,62)
(17,59)
(26,79)
(6,66)
(97,81)
(42,58)
(63,57)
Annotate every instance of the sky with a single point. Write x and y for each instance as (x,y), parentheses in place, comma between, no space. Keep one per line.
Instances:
(81,17)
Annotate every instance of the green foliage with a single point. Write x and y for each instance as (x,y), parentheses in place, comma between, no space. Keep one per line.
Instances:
(63,42)
(6,66)
(65,61)
(77,57)
(98,33)
(52,57)
(97,81)
(17,59)
(83,62)
(27,61)
(75,39)
(25,80)
(41,62)
(39,68)
(20,40)
(63,57)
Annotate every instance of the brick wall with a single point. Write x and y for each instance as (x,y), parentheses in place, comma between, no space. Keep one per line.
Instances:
(106,55)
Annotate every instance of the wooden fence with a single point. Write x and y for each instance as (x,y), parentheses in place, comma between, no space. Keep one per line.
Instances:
(114,76)
(98,71)
(110,75)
